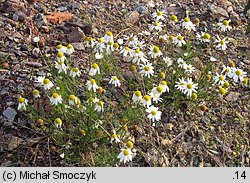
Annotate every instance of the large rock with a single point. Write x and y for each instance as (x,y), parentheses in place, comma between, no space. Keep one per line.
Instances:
(217,11)
(10,114)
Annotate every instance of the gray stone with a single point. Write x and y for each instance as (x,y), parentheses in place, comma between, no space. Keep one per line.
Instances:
(142,9)
(10,114)
(217,11)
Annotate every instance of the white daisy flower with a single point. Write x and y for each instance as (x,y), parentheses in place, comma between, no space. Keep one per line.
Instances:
(153,113)
(61,48)
(173,19)
(146,101)
(181,63)
(58,123)
(125,155)
(115,81)
(100,45)
(221,43)
(227,70)
(220,79)
(114,138)
(168,61)
(60,65)
(127,51)
(157,90)
(74,72)
(154,52)
(179,40)
(22,103)
(212,59)
(188,68)
(47,84)
(39,79)
(91,84)
(36,39)
(147,69)
(90,42)
(98,55)
(99,106)
(60,57)
(137,97)
(204,37)
(164,85)
(94,69)
(190,87)
(36,93)
(56,99)
(145,33)
(159,15)
(181,85)
(108,37)
(156,26)
(73,100)
(70,49)
(187,24)
(224,26)
(238,74)
(156,98)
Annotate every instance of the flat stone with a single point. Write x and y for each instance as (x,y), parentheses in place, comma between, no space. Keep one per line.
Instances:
(14,143)
(133,17)
(142,9)
(232,96)
(10,114)
(79,46)
(77,35)
(217,11)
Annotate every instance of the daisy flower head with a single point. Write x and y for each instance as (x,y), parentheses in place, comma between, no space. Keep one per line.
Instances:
(155,97)
(91,84)
(227,70)
(60,56)
(127,51)
(159,15)
(61,48)
(221,43)
(187,24)
(137,97)
(181,85)
(99,106)
(147,69)
(73,100)
(168,61)
(146,101)
(145,33)
(108,37)
(39,79)
(220,79)
(156,26)
(125,155)
(98,55)
(47,84)
(115,81)
(74,72)
(153,113)
(181,63)
(154,52)
(188,68)
(36,93)
(100,45)
(224,26)
(129,144)
(22,103)
(173,19)
(164,85)
(158,90)
(36,39)
(204,37)
(70,49)
(114,138)
(94,69)
(58,122)
(238,75)
(56,99)
(90,42)
(179,40)
(190,87)
(60,65)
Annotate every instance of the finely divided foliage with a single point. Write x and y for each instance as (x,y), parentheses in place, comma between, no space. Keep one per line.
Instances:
(83,107)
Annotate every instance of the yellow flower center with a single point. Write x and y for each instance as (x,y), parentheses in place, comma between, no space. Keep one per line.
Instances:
(147,97)
(159,13)
(95,66)
(58,121)
(116,45)
(147,68)
(126,152)
(206,36)
(72,97)
(101,40)
(173,18)
(226,84)
(46,81)
(156,23)
(163,83)
(225,22)
(89,39)
(92,81)
(209,77)
(162,75)
(153,112)
(82,132)
(189,86)
(186,19)
(138,93)
(55,95)
(180,38)
(115,78)
(222,78)
(238,72)
(227,70)
(59,46)
(159,89)
(60,62)
(75,69)
(222,91)
(245,81)
(69,46)
(35,92)
(21,100)
(171,38)
(114,136)
(222,42)
(129,144)
(109,33)
(127,48)
(194,96)
(100,103)
(231,64)
(156,49)
(137,51)
(60,54)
